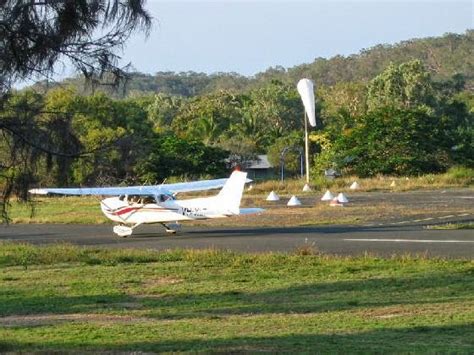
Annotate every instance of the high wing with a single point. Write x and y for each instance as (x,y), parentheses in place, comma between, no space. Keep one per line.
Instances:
(136,190)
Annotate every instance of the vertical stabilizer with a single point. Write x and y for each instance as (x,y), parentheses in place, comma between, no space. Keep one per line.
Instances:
(231,194)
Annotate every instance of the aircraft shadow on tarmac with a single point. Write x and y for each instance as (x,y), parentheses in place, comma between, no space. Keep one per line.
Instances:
(252,232)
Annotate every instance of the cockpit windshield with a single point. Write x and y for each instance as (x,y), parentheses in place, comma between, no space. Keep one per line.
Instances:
(146,199)
(164,197)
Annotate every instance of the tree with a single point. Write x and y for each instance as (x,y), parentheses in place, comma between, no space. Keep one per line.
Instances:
(405,86)
(250,130)
(276,108)
(37,35)
(114,134)
(21,148)
(342,104)
(207,117)
(413,126)
(397,142)
(172,156)
(162,110)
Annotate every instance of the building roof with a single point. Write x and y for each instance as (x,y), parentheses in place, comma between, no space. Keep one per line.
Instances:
(260,163)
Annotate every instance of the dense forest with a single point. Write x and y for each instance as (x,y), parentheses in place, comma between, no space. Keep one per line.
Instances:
(442,56)
(405,109)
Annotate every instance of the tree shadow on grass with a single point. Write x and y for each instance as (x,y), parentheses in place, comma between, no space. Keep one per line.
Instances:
(317,297)
(161,303)
(21,303)
(431,339)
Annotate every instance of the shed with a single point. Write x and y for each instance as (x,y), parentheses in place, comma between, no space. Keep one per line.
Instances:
(260,168)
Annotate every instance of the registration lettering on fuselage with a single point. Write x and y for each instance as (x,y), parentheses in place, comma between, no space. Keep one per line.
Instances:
(194,211)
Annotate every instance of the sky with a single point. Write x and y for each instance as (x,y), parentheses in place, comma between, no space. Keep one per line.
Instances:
(248,37)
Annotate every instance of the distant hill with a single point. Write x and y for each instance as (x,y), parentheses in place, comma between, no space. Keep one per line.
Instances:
(444,56)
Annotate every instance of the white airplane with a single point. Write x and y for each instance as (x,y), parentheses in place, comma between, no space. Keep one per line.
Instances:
(133,206)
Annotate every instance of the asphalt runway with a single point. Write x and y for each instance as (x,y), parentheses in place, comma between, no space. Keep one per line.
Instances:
(389,237)
(386,240)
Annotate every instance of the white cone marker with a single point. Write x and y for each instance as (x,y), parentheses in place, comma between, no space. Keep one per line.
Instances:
(272,196)
(355,185)
(342,198)
(294,201)
(306,188)
(328,196)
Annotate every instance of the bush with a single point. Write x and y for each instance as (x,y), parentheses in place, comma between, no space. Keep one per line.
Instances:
(393,141)
(461,172)
(459,175)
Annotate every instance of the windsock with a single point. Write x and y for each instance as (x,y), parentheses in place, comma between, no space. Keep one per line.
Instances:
(305,88)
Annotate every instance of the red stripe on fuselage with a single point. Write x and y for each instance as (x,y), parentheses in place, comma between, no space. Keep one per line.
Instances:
(125,210)
(133,209)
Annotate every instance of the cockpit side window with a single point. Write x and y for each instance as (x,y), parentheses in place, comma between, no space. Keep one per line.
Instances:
(148,199)
(134,198)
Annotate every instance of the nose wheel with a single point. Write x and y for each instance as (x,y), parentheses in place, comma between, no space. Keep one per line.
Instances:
(124,231)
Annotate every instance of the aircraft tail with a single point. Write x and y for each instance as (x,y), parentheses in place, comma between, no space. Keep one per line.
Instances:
(231,194)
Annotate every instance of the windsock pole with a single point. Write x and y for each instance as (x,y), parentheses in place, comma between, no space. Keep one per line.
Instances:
(306,146)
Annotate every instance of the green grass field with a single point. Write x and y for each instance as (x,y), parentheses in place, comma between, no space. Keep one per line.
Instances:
(64,298)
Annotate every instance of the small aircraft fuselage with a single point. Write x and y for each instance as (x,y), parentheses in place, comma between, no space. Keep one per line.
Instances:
(160,209)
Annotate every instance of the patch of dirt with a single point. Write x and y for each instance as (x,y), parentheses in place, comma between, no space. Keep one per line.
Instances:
(388,316)
(408,310)
(387,313)
(48,319)
(160,281)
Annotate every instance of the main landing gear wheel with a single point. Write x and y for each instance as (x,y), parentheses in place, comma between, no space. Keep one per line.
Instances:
(171,228)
